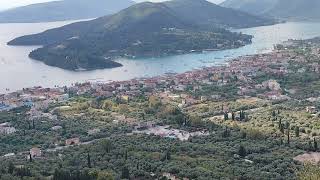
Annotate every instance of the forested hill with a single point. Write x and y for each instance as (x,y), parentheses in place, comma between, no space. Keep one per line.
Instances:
(191,13)
(63,10)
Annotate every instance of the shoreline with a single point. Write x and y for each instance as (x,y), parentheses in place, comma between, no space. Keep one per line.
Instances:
(225,64)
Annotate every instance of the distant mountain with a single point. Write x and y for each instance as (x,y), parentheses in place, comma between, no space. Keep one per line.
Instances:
(296,10)
(142,30)
(257,7)
(63,10)
(203,12)
(280,9)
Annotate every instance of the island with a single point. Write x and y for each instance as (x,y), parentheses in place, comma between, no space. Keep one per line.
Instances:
(142,30)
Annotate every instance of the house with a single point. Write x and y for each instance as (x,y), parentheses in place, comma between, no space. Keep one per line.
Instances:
(125,98)
(275,95)
(170,176)
(273,85)
(203,98)
(35,152)
(72,141)
(93,131)
(56,128)
(188,101)
(4,107)
(179,87)
(6,129)
(311,109)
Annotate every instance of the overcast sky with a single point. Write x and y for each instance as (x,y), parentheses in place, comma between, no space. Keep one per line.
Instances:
(6,4)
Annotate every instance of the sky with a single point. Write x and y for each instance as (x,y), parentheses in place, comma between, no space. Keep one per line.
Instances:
(6,4)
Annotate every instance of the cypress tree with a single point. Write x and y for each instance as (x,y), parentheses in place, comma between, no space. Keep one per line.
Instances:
(280,123)
(126,155)
(310,145)
(89,160)
(288,136)
(242,151)
(297,131)
(226,116)
(282,128)
(168,155)
(125,174)
(11,168)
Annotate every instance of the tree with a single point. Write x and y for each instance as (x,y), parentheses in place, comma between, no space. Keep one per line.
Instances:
(179,119)
(282,128)
(11,168)
(107,105)
(315,144)
(89,160)
(310,145)
(61,175)
(287,125)
(154,102)
(309,172)
(233,116)
(23,171)
(126,154)
(288,136)
(226,116)
(226,132)
(243,116)
(280,123)
(242,152)
(30,157)
(123,108)
(297,131)
(125,174)
(196,121)
(106,146)
(168,155)
(104,175)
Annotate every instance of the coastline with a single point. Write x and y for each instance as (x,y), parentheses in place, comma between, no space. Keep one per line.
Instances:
(226,64)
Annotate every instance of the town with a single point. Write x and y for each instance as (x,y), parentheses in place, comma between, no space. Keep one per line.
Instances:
(250,93)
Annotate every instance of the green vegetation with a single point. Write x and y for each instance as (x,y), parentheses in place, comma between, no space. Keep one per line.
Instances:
(207,131)
(204,158)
